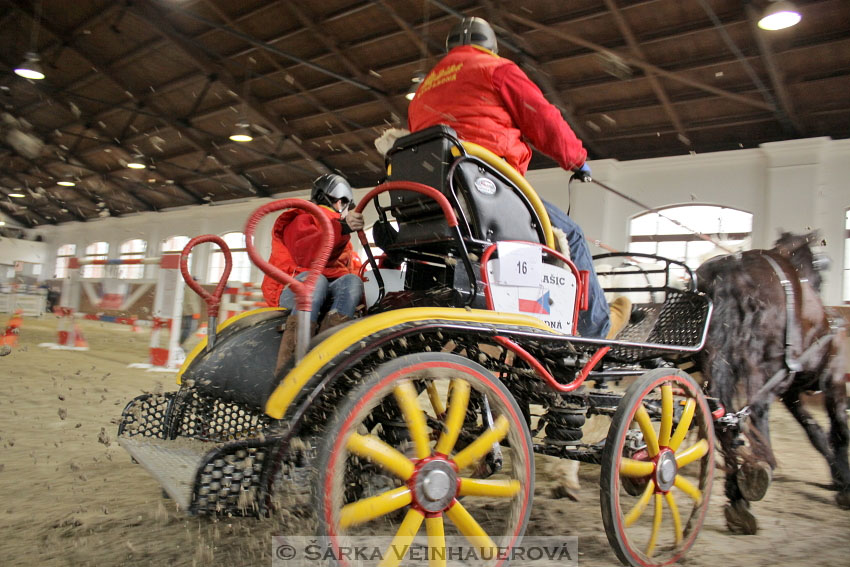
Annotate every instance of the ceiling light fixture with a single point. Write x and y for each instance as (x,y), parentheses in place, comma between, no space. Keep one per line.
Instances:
(30,68)
(242,133)
(780,14)
(137,162)
(66,183)
(17,195)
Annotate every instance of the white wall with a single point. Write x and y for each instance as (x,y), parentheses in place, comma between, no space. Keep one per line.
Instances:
(15,249)
(794,185)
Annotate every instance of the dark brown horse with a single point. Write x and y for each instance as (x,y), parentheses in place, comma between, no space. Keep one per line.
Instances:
(771,337)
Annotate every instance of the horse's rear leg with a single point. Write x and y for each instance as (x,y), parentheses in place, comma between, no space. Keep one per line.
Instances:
(756,470)
(791,399)
(835,398)
(739,519)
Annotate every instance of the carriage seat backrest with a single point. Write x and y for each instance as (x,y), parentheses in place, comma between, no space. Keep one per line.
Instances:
(489,206)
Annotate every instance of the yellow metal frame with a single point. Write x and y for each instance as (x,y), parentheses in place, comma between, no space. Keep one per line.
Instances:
(199,348)
(351,334)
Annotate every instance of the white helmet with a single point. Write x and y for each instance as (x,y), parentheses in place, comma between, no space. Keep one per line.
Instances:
(329,188)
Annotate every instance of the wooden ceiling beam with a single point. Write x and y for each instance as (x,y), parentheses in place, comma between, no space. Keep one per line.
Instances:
(640,63)
(59,204)
(154,17)
(25,8)
(331,43)
(655,84)
(786,114)
(301,89)
(62,102)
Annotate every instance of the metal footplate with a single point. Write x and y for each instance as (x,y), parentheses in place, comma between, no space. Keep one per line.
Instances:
(173,464)
(202,477)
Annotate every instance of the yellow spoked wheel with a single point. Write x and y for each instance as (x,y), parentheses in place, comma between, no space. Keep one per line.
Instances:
(430,453)
(657,468)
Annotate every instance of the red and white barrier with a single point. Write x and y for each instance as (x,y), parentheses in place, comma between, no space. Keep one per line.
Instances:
(167,311)
(236,300)
(69,336)
(167,314)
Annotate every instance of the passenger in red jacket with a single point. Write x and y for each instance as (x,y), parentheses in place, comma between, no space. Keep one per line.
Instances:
(488,100)
(296,237)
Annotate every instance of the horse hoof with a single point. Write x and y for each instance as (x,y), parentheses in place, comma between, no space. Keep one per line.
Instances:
(562,491)
(739,520)
(754,480)
(843,499)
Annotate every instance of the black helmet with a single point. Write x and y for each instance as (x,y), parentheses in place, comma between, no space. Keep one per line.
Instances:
(472,31)
(329,188)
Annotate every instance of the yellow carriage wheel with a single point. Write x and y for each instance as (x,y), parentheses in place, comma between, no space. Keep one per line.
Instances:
(657,468)
(429,450)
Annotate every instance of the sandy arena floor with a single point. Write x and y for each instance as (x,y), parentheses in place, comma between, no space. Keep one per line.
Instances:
(73,497)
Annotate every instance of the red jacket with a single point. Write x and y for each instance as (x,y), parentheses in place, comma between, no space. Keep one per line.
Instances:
(296,237)
(490,101)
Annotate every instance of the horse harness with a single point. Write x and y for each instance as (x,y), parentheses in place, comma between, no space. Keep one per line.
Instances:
(793,343)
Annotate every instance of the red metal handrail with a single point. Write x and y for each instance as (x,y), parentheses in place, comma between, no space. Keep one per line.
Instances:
(303,290)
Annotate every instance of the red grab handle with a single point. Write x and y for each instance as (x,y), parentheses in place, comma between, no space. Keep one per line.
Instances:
(303,290)
(446,207)
(213,300)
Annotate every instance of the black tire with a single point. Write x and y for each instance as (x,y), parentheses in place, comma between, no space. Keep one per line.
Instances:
(681,469)
(420,468)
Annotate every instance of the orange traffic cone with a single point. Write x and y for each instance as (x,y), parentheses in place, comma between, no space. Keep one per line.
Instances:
(202,330)
(80,341)
(10,337)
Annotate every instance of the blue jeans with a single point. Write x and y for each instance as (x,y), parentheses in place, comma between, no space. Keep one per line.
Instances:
(595,321)
(342,295)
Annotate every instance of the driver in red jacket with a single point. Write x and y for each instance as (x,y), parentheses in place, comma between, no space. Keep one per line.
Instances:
(489,100)
(296,238)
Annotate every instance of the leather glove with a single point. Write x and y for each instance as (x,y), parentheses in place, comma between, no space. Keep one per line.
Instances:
(583,174)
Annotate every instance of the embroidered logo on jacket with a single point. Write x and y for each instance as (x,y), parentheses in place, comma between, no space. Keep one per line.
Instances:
(441,77)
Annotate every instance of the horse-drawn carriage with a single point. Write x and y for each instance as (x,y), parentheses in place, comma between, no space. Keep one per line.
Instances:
(429,409)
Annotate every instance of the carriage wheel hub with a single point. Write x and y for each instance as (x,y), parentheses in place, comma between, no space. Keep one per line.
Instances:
(666,470)
(435,485)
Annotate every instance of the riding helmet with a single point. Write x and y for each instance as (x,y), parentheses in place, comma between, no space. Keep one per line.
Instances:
(329,188)
(472,31)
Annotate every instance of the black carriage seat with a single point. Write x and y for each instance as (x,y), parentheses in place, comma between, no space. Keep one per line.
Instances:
(489,206)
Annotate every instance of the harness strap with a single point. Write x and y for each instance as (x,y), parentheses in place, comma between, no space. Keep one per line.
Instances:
(781,373)
(793,340)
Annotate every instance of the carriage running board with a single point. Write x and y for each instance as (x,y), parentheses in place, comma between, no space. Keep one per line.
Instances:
(174,464)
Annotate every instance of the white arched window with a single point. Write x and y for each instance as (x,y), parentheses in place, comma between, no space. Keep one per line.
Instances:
(241,271)
(132,250)
(677,232)
(63,254)
(95,251)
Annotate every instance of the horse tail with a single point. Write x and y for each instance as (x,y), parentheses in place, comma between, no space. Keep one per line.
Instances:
(733,338)
(718,359)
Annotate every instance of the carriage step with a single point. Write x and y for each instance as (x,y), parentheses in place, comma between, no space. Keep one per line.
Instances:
(173,463)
